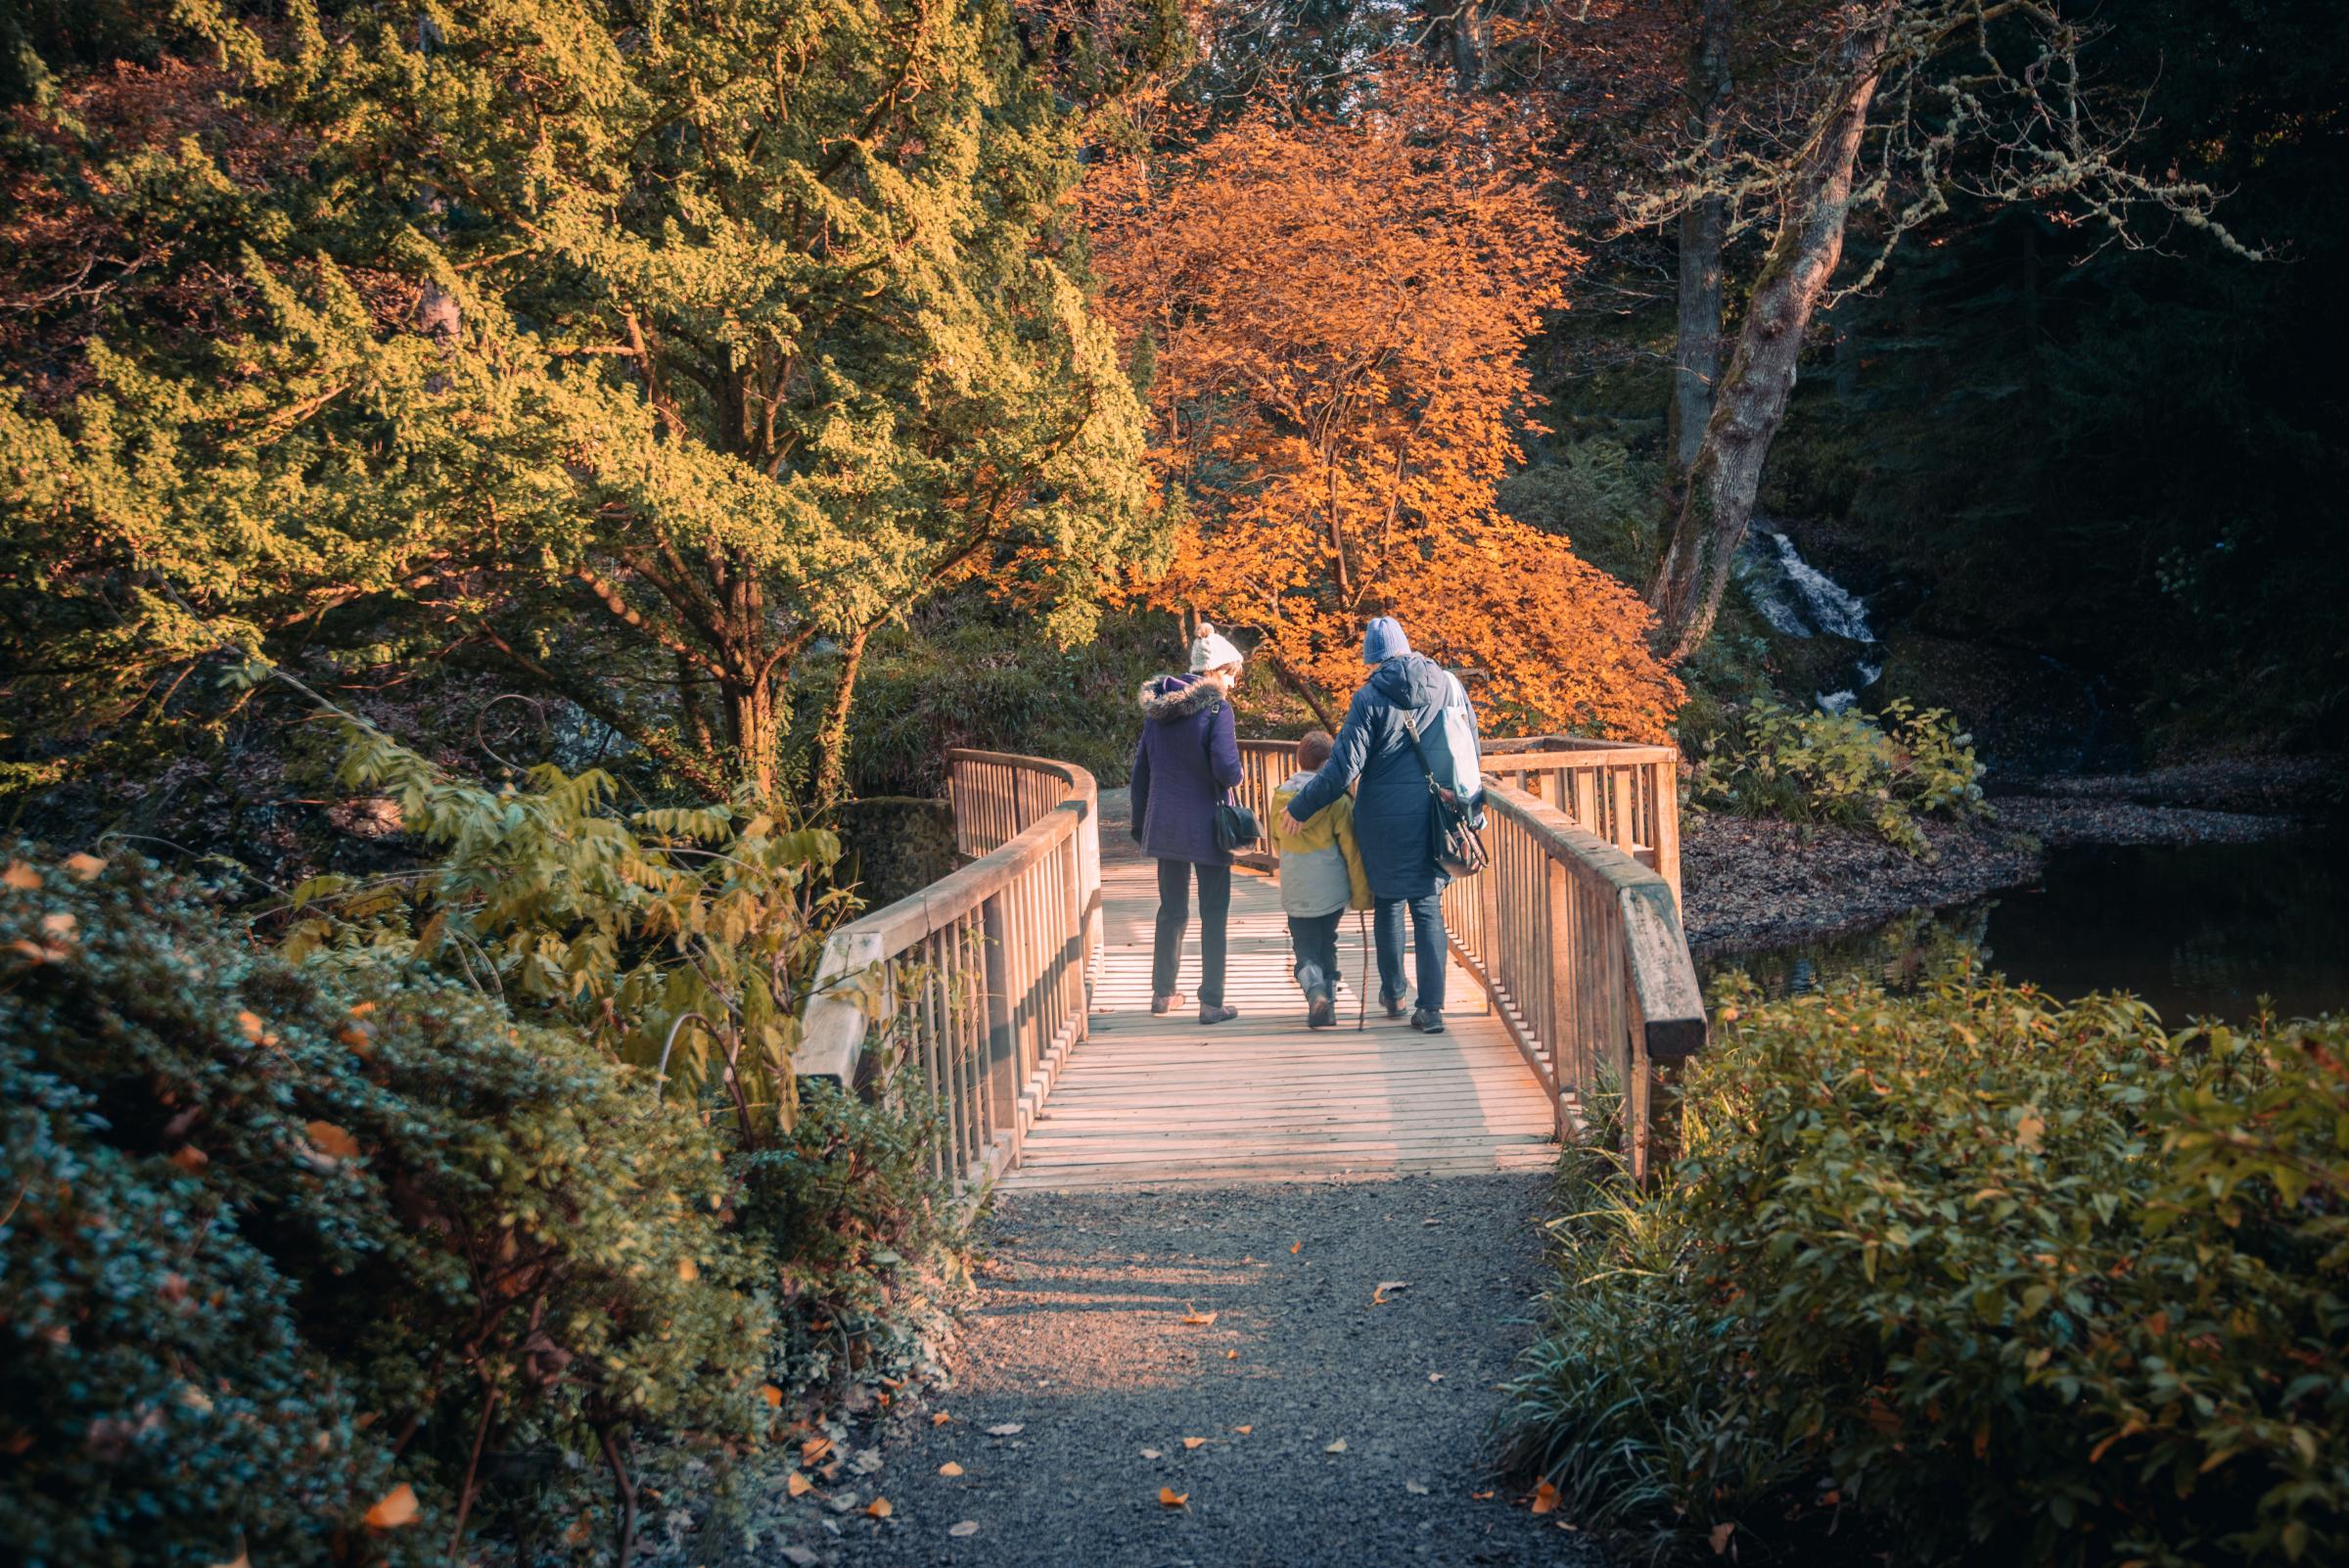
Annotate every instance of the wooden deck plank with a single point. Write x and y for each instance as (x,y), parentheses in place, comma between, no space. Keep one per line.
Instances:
(1149,1101)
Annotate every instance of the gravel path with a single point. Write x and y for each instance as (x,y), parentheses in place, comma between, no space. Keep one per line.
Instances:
(1078,1340)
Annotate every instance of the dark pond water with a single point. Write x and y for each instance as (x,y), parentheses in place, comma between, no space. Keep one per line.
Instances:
(2196,929)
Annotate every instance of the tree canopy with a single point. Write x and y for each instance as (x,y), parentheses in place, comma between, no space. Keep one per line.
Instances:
(1334,313)
(642,345)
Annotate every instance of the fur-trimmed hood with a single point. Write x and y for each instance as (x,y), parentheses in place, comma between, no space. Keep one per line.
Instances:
(1168,698)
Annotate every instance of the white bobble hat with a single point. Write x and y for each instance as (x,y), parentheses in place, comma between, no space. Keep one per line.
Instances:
(1212,650)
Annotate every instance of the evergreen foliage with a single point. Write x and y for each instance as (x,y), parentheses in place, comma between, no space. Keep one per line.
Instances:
(641,345)
(283,1239)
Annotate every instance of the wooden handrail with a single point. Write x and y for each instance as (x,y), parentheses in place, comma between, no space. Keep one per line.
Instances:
(1625,792)
(981,981)
(1581,949)
(1575,928)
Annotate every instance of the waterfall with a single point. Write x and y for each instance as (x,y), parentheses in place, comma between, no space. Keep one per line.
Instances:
(1799,600)
(1832,608)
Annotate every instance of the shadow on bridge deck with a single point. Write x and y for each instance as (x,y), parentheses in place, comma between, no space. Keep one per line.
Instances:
(1148,1100)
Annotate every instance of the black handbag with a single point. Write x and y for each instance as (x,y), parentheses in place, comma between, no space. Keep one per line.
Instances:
(1236,827)
(1459,845)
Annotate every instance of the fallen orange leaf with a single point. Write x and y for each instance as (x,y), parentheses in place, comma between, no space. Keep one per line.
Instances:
(1481,1497)
(1545,1497)
(239,1561)
(82,867)
(250,1023)
(1194,1315)
(798,1485)
(1194,1443)
(1296,1247)
(1243,1430)
(21,877)
(1171,1498)
(773,1395)
(190,1158)
(1231,1355)
(949,1468)
(940,1418)
(328,1138)
(878,1508)
(394,1509)
(1719,1537)
(814,1449)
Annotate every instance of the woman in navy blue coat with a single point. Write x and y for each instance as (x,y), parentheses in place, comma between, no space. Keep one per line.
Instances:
(1392,818)
(1188,756)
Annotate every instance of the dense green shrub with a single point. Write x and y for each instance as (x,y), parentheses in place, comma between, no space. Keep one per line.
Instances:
(868,1247)
(1965,1277)
(968,675)
(281,1238)
(1878,772)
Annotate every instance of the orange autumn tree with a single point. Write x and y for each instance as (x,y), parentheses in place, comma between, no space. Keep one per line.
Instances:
(1332,315)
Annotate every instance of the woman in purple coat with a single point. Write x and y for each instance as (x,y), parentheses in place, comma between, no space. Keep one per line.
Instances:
(1188,756)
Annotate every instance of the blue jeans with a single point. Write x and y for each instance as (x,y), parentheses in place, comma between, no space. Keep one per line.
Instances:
(1427,930)
(1314,938)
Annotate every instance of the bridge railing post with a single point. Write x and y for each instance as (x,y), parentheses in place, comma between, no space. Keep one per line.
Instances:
(1002,1065)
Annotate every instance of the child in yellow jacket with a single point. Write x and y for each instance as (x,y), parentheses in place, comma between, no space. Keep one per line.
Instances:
(1322,877)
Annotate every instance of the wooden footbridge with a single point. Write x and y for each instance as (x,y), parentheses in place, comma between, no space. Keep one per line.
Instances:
(1017,990)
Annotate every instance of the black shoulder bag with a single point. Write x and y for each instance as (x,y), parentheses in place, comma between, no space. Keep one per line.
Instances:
(1459,846)
(1236,827)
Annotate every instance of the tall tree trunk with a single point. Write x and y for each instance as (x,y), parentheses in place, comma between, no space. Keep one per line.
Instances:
(1696,335)
(751,730)
(831,740)
(1750,403)
(1471,39)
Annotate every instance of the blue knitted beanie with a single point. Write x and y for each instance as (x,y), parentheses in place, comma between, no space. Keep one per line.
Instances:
(1383,639)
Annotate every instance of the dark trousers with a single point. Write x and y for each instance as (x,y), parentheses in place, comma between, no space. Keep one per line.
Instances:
(1427,930)
(1174,918)
(1314,938)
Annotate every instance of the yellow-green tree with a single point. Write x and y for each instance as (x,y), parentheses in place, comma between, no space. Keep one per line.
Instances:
(645,345)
